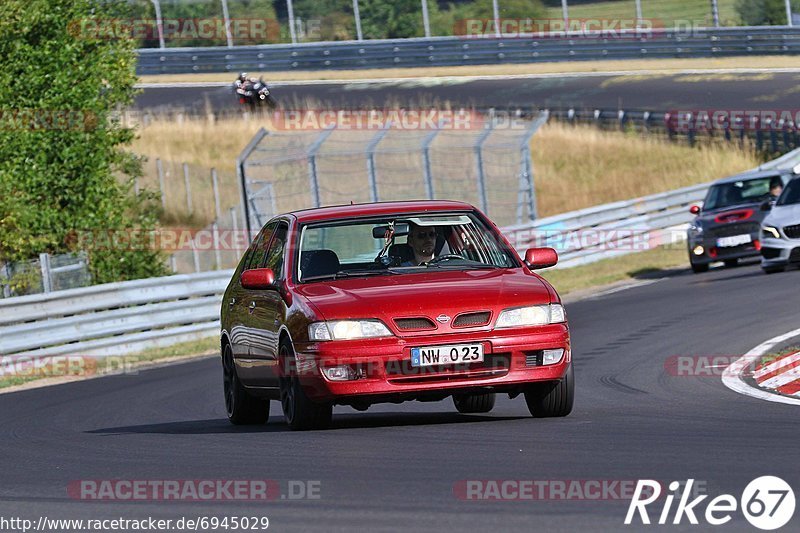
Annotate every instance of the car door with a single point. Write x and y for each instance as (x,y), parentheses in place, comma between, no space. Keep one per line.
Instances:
(270,310)
(245,332)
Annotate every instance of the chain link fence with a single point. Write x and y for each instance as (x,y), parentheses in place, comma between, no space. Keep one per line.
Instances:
(46,274)
(489,167)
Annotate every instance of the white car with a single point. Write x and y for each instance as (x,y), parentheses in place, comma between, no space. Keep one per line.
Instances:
(780,231)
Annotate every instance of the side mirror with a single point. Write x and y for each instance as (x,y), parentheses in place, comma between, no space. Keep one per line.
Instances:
(766,205)
(258,278)
(540,257)
(695,210)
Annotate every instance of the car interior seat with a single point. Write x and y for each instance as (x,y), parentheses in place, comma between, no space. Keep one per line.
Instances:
(319,263)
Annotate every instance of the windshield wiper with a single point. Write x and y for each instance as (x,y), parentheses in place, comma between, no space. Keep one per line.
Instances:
(349,274)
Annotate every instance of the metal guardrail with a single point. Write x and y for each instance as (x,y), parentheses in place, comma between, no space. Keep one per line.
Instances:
(448,51)
(115,318)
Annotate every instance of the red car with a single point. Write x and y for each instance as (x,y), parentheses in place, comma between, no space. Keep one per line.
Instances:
(388,302)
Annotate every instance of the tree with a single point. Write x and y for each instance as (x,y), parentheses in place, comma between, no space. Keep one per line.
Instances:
(765,12)
(64,170)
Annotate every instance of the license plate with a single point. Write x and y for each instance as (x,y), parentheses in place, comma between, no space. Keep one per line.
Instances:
(736,240)
(447,355)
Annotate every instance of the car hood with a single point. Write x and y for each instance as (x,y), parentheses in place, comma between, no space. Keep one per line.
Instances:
(784,215)
(426,294)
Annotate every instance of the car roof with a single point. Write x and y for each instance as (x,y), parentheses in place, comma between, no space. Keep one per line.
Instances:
(753,174)
(378,209)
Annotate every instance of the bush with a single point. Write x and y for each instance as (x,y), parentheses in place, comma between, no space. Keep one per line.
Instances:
(63,167)
(764,12)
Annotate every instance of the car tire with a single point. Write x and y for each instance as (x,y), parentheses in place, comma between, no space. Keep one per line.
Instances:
(552,399)
(699,268)
(773,269)
(240,406)
(731,263)
(300,411)
(474,403)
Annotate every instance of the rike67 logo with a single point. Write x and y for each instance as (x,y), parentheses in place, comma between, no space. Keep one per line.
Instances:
(767,503)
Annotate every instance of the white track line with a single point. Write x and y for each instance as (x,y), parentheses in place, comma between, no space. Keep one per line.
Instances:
(732,377)
(441,80)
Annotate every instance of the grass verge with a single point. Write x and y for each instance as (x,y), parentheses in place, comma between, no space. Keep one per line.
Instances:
(743,62)
(617,269)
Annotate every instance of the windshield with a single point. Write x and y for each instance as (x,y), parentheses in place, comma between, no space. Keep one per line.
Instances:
(737,193)
(399,244)
(791,195)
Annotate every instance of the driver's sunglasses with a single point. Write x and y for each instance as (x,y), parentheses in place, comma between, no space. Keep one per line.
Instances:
(430,234)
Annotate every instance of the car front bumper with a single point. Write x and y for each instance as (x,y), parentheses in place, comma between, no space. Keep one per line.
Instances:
(512,359)
(779,252)
(712,252)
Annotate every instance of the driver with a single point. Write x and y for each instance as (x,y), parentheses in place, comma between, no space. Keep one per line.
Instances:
(422,240)
(775,189)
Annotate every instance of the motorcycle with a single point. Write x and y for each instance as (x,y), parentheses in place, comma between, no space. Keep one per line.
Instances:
(255,93)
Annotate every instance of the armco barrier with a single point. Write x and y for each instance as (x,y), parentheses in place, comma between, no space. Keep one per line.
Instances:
(114,318)
(444,51)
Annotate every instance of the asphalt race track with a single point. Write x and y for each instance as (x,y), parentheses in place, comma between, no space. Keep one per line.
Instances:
(395,467)
(739,91)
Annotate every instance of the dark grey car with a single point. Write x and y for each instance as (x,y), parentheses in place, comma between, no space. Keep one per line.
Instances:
(728,224)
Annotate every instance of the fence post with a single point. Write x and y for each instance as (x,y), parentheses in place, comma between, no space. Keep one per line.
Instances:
(426,161)
(312,164)
(242,175)
(173,264)
(217,255)
(371,147)
(188,188)
(160,170)
(215,187)
(195,256)
(235,230)
(526,185)
(484,202)
(44,264)
(7,277)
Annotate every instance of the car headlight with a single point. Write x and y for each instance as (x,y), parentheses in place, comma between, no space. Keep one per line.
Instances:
(535,315)
(347,329)
(770,231)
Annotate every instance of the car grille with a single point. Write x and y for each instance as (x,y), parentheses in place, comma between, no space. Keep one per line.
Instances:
(472,319)
(730,230)
(770,253)
(534,358)
(794,257)
(793,232)
(493,365)
(415,323)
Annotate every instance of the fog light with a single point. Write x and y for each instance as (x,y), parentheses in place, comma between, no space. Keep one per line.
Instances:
(551,357)
(340,373)
(698,250)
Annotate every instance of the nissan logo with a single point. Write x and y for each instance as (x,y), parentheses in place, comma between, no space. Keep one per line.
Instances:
(443,318)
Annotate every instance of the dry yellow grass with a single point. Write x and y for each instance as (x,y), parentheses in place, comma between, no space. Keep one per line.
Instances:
(748,62)
(578,167)
(575,166)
